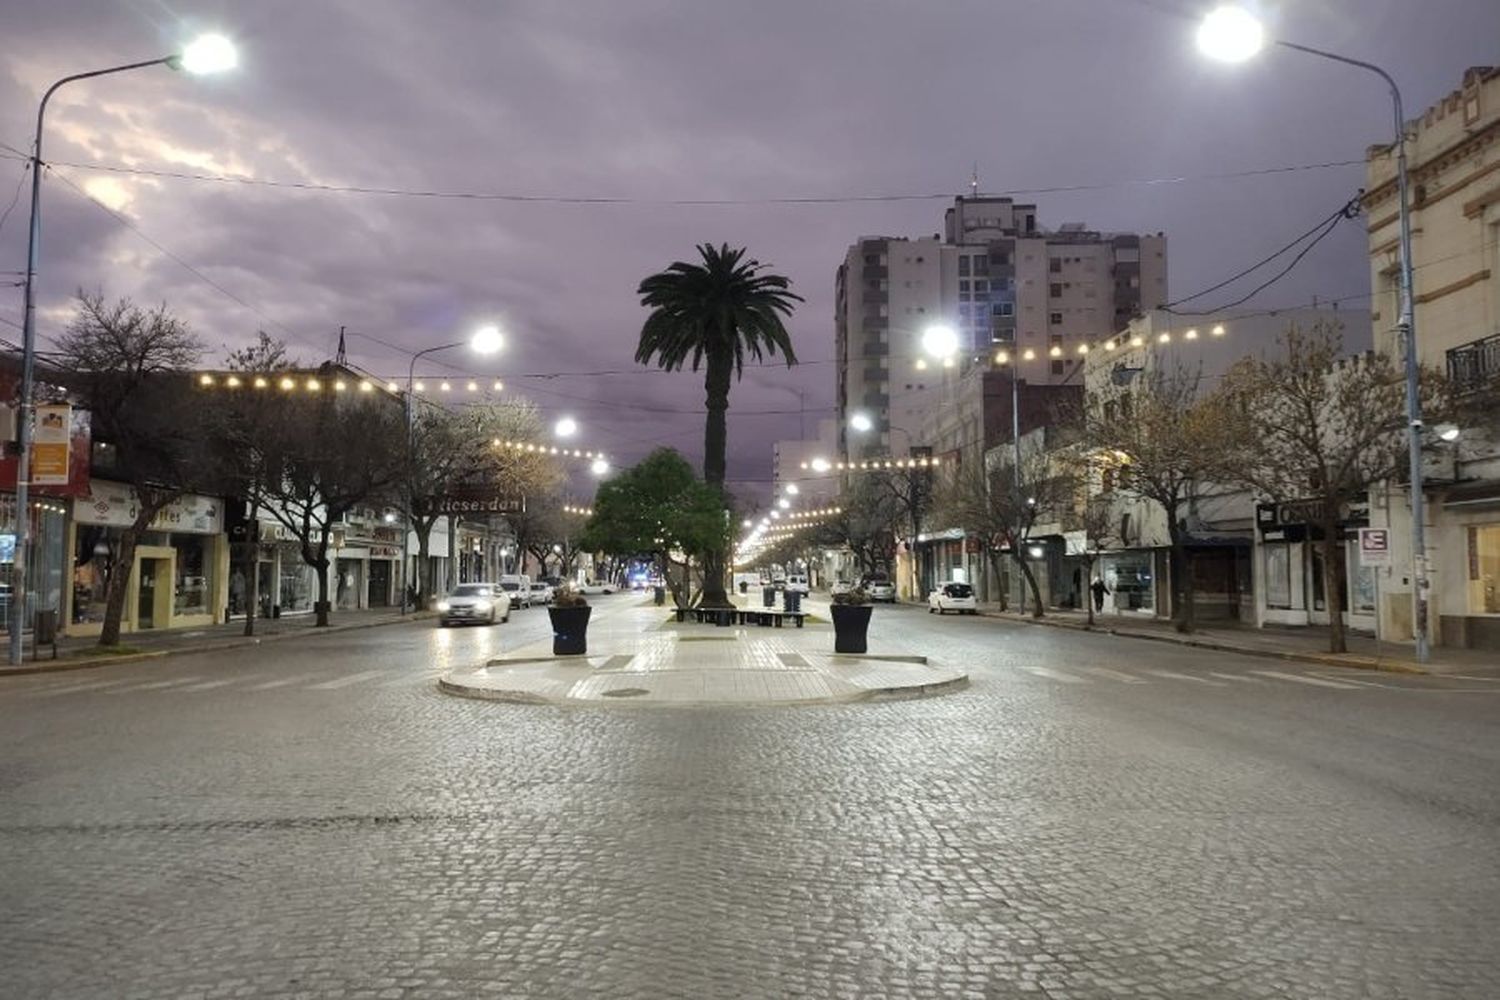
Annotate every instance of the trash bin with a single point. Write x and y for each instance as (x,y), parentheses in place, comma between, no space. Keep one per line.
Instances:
(791,600)
(661,595)
(744,586)
(44,628)
(768,596)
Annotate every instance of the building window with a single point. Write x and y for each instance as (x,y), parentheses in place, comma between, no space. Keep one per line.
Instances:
(1055,265)
(1054,318)
(190,595)
(981,264)
(1055,290)
(1278,556)
(1005,309)
(1484,569)
(981,286)
(963,286)
(963,265)
(1054,340)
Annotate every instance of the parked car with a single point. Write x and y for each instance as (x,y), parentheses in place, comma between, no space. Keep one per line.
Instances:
(952,596)
(596,587)
(880,588)
(541,592)
(796,583)
(474,602)
(840,587)
(518,587)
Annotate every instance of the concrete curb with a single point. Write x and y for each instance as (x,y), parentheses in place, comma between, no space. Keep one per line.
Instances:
(239,642)
(1348,660)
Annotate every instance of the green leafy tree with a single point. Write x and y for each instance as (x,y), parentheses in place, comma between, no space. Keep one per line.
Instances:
(713,314)
(659,509)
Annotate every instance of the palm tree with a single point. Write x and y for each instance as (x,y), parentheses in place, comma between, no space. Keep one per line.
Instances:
(713,314)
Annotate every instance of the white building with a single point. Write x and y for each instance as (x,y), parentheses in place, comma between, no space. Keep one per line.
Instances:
(1453,154)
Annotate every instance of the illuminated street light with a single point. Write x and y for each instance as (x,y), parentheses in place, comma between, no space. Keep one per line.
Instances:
(821,465)
(599,467)
(209,54)
(792,490)
(487,339)
(861,422)
(784,503)
(1231,34)
(206,54)
(566,427)
(940,341)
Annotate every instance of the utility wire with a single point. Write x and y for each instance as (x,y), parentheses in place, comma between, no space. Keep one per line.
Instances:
(503,196)
(20,183)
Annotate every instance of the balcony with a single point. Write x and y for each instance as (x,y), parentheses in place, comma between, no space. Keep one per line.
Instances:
(1475,365)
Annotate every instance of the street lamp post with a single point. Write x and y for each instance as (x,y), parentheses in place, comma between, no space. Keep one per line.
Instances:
(207,54)
(1233,34)
(486,340)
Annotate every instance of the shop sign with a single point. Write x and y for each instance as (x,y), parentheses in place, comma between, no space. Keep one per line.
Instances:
(476,503)
(1374,547)
(116,505)
(50,445)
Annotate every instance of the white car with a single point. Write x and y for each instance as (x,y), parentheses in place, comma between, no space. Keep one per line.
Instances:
(952,596)
(518,587)
(796,583)
(840,587)
(541,592)
(595,587)
(474,602)
(880,589)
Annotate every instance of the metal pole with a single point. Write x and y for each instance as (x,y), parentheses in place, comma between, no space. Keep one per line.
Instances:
(28,364)
(1406,328)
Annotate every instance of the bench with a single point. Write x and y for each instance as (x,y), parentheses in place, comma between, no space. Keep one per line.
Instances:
(769,616)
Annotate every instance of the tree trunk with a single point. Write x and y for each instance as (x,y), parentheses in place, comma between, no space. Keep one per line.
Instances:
(119,586)
(1181,570)
(320,565)
(423,527)
(1333,580)
(997,566)
(1037,611)
(1088,590)
(715,441)
(251,567)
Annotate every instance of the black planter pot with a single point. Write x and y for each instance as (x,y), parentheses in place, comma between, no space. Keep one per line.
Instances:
(570,627)
(850,623)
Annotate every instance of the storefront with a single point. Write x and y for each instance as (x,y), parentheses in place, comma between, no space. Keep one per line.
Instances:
(45,573)
(1293,588)
(180,575)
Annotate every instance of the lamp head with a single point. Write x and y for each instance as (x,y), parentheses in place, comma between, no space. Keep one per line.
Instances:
(206,54)
(940,340)
(1231,34)
(487,339)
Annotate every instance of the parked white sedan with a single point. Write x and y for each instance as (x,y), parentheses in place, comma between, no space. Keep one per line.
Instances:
(596,587)
(952,596)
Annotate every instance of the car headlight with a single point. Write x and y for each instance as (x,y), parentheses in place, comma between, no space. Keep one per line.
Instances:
(442,605)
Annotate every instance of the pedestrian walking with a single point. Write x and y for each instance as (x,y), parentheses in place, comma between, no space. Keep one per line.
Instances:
(1100,588)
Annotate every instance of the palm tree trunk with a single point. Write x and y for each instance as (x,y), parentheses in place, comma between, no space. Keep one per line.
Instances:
(715,443)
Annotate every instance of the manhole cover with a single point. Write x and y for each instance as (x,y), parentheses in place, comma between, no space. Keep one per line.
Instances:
(625,693)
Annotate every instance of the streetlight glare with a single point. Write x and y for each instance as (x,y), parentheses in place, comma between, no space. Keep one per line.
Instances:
(599,467)
(783,503)
(487,339)
(940,340)
(208,54)
(861,422)
(566,427)
(1231,34)
(821,465)
(792,490)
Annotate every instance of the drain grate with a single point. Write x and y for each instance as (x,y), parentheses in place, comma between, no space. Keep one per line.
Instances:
(625,693)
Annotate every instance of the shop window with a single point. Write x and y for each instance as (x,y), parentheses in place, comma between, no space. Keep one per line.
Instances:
(94,547)
(1278,558)
(191,593)
(1484,569)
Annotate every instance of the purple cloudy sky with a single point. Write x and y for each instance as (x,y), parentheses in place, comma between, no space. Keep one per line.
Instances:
(656,100)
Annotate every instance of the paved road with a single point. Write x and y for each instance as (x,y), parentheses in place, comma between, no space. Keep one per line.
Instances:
(1093,817)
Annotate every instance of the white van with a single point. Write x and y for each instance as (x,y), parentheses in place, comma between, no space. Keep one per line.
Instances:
(518,586)
(796,583)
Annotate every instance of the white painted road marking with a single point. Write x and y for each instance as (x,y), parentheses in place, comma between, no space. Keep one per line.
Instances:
(1300,679)
(1185,677)
(1054,675)
(346,681)
(1116,675)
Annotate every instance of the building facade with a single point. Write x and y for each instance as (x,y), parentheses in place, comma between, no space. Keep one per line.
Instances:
(1453,152)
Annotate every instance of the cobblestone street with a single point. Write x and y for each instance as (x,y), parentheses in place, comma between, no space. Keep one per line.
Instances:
(1091,817)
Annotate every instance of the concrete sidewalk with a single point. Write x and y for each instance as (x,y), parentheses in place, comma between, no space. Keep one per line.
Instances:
(639,656)
(75,653)
(1307,645)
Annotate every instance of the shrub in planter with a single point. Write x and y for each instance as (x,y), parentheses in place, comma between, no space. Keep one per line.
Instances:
(851,620)
(569,612)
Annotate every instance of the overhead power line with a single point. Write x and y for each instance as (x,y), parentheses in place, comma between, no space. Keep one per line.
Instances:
(592,199)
